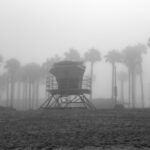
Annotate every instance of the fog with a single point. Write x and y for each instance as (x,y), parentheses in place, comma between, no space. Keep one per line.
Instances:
(48,27)
(34,30)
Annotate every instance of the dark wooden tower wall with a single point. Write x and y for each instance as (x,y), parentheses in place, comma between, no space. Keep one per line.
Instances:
(69,75)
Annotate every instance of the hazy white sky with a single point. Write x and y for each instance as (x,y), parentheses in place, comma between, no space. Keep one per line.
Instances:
(32,30)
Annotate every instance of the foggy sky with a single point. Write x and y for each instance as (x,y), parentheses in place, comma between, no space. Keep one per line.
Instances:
(44,28)
(32,30)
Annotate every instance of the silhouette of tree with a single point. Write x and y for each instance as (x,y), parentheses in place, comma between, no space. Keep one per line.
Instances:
(12,66)
(49,63)
(122,77)
(37,73)
(139,72)
(24,79)
(32,75)
(72,55)
(4,84)
(19,82)
(132,57)
(92,56)
(1,83)
(114,57)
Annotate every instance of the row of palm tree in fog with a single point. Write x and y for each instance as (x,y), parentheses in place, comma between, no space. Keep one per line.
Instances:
(20,84)
(131,57)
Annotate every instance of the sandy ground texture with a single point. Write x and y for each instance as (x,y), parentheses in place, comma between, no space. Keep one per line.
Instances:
(105,148)
(75,129)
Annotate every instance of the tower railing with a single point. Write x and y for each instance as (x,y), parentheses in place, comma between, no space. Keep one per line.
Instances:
(51,83)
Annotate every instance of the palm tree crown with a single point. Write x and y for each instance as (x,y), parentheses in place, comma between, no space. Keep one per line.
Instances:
(132,58)
(72,55)
(132,55)
(113,56)
(92,55)
(12,65)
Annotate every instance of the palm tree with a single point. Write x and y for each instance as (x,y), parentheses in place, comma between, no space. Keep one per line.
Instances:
(72,55)
(46,66)
(36,83)
(132,58)
(5,78)
(122,77)
(24,79)
(2,85)
(92,56)
(1,59)
(19,79)
(113,57)
(32,71)
(12,65)
(139,72)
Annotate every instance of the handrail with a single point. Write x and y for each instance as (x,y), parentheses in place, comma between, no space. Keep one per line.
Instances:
(51,83)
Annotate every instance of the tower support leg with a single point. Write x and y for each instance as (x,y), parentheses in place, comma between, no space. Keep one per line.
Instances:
(47,102)
(58,101)
(87,103)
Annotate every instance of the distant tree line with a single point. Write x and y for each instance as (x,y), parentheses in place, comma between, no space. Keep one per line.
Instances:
(21,84)
(131,57)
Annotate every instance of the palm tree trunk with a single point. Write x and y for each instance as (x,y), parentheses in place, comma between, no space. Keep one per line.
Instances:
(91,86)
(12,93)
(122,91)
(25,94)
(133,89)
(129,86)
(7,93)
(33,94)
(37,94)
(115,85)
(19,93)
(30,90)
(112,96)
(142,89)
(135,84)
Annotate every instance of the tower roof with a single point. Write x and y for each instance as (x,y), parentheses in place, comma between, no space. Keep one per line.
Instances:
(68,69)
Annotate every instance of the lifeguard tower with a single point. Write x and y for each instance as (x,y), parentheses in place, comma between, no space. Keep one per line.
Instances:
(66,86)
